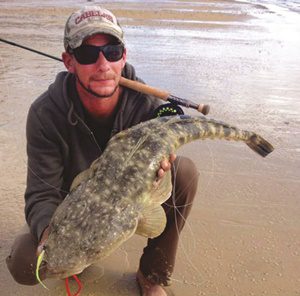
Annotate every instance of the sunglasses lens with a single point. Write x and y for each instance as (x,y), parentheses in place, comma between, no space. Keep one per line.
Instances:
(88,54)
(113,53)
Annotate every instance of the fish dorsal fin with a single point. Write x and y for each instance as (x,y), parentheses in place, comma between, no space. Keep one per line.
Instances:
(84,175)
(152,221)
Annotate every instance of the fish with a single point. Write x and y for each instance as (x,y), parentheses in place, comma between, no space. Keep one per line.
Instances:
(117,196)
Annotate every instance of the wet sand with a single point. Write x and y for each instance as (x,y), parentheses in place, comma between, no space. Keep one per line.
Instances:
(243,235)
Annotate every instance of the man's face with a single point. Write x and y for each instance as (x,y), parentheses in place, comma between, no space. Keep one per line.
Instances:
(103,76)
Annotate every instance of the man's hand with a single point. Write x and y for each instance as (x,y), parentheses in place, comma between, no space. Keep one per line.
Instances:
(165,165)
(42,241)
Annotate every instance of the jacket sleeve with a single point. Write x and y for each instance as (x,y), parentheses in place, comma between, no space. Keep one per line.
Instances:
(44,177)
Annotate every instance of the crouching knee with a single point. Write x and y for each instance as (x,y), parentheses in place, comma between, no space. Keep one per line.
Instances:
(185,176)
(21,262)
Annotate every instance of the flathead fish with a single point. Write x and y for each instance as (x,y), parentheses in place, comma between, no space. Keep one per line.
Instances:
(116,197)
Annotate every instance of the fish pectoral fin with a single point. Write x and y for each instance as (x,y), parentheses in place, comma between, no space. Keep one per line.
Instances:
(160,193)
(152,221)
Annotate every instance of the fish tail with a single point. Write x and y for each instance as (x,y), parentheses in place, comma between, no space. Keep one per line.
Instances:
(254,141)
(259,145)
(39,262)
(187,129)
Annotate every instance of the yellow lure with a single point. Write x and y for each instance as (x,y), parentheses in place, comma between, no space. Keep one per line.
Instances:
(39,262)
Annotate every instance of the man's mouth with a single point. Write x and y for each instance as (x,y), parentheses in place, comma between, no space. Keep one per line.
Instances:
(102,77)
(101,80)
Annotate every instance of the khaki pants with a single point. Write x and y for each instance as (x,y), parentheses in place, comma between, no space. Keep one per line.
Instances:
(158,258)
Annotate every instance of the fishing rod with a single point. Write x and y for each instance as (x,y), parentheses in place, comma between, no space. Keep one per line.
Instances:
(133,84)
(31,49)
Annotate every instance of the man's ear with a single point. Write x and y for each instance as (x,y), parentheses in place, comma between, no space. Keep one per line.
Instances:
(68,61)
(124,58)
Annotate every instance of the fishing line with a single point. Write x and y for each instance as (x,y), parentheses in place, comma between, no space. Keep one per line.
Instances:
(46,183)
(176,222)
(198,284)
(6,85)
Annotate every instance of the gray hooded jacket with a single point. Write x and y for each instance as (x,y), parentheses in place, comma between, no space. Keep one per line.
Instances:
(60,144)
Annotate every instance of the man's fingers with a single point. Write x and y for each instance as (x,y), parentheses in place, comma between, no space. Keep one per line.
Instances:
(172,157)
(160,173)
(165,165)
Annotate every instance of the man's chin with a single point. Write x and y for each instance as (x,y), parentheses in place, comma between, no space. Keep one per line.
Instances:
(103,92)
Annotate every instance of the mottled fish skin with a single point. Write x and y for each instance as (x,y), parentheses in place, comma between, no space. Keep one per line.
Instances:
(107,201)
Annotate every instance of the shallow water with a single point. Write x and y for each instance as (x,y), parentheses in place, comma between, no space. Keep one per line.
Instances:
(243,59)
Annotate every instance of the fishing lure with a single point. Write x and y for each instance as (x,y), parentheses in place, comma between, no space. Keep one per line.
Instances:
(39,262)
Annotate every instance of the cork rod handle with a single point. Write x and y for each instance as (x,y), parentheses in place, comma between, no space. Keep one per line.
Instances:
(144,88)
(162,94)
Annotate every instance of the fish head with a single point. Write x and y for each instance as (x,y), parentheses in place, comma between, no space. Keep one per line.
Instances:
(59,262)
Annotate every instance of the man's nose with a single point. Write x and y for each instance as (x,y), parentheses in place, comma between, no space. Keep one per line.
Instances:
(102,62)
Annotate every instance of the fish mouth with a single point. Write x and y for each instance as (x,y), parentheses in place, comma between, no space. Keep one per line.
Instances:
(58,274)
(51,273)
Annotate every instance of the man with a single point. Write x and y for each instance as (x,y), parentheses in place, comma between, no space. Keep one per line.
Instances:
(69,126)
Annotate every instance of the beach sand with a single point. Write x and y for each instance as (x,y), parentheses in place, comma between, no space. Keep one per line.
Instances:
(243,235)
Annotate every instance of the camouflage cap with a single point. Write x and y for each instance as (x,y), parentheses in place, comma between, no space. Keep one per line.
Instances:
(88,21)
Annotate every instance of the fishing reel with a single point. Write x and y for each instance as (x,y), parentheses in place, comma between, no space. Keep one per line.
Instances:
(167,110)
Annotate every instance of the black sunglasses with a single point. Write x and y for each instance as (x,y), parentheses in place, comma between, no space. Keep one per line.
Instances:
(89,54)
